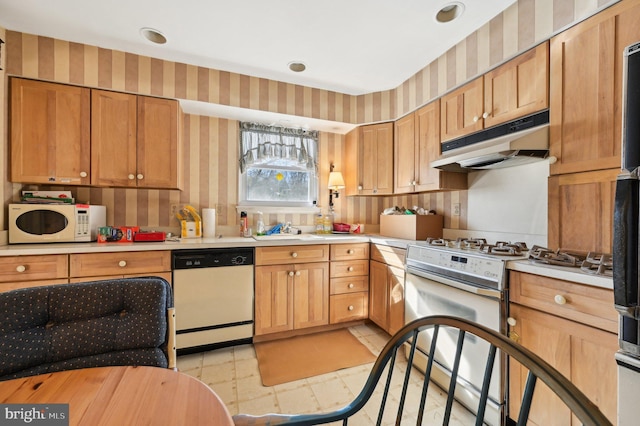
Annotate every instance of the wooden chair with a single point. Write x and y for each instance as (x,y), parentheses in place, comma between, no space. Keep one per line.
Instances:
(405,340)
(128,321)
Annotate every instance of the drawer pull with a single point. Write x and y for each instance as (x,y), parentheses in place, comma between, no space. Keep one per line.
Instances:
(350,285)
(560,299)
(350,269)
(294,254)
(290,273)
(350,307)
(122,263)
(297,273)
(83,174)
(350,251)
(140,176)
(511,321)
(21,268)
(131,176)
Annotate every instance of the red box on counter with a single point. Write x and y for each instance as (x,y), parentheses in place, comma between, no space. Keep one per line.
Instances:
(117,234)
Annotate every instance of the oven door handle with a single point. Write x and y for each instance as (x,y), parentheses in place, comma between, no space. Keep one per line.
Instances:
(481,291)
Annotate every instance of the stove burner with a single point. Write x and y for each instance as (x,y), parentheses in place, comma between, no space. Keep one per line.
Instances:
(547,256)
(502,248)
(598,264)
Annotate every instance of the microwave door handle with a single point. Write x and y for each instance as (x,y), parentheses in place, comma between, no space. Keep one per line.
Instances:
(625,245)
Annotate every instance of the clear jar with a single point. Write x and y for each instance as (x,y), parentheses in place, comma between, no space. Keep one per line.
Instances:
(318,222)
(327,223)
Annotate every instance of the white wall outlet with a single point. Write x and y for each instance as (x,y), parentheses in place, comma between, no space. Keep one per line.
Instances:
(456,209)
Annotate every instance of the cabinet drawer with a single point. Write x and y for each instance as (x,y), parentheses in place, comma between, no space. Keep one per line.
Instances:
(292,254)
(29,268)
(348,268)
(24,284)
(121,263)
(389,255)
(165,275)
(348,307)
(582,303)
(349,284)
(349,251)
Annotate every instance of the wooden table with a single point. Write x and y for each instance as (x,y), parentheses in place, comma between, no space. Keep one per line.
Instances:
(122,396)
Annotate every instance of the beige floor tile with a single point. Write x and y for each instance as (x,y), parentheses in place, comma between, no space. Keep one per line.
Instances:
(332,394)
(250,388)
(226,391)
(189,362)
(298,401)
(218,373)
(247,368)
(259,405)
(219,356)
(244,352)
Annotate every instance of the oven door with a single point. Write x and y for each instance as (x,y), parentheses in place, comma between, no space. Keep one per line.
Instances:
(427,295)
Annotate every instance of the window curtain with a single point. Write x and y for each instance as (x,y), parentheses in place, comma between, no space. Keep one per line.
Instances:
(269,146)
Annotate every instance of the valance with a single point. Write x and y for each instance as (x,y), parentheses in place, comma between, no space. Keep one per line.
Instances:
(269,146)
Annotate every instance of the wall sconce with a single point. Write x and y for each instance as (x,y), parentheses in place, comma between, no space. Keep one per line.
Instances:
(336,182)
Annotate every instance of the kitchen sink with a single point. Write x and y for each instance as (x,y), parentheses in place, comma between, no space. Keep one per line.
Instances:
(287,237)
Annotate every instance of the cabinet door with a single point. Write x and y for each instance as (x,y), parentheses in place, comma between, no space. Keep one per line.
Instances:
(427,128)
(583,354)
(581,211)
(113,139)
(378,294)
(353,163)
(405,154)
(396,299)
(461,110)
(50,133)
(273,299)
(585,88)
(158,151)
(376,151)
(311,295)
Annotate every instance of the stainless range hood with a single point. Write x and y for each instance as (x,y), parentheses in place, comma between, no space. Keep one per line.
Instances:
(518,142)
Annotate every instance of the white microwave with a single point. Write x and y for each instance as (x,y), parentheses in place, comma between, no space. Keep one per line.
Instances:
(55,223)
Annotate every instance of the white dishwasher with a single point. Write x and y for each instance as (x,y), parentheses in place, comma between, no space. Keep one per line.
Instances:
(213,296)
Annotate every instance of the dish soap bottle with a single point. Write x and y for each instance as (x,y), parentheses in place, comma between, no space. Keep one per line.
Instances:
(260,224)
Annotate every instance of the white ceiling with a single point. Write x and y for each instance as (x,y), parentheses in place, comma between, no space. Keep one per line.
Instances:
(352,47)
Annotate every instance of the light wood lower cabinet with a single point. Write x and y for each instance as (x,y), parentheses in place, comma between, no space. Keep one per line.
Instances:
(102,266)
(572,327)
(386,287)
(291,288)
(349,285)
(33,271)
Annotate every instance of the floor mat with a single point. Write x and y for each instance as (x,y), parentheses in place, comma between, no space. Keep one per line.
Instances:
(299,357)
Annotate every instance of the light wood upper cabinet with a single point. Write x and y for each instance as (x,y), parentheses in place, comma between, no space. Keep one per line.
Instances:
(586,89)
(461,110)
(50,133)
(515,89)
(113,138)
(369,169)
(417,143)
(518,88)
(135,141)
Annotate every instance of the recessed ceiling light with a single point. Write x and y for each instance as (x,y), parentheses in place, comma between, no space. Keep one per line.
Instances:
(450,12)
(297,66)
(153,35)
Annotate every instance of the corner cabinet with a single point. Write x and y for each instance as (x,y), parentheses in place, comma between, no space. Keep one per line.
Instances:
(586,89)
(417,143)
(571,326)
(134,141)
(50,133)
(369,170)
(386,287)
(291,288)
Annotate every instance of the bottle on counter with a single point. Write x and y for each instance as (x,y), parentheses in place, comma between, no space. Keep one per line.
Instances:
(260,224)
(327,223)
(244,224)
(318,222)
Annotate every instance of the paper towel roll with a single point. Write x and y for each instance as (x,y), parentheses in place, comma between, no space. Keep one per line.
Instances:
(209,223)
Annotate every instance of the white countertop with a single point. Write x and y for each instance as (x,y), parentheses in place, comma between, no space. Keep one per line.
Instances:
(561,272)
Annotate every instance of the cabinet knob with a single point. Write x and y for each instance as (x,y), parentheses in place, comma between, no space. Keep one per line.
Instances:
(350,251)
(475,118)
(297,273)
(350,269)
(290,273)
(83,174)
(21,268)
(140,176)
(560,299)
(359,187)
(511,321)
(131,176)
(294,254)
(350,285)
(375,191)
(413,182)
(485,115)
(350,307)
(122,263)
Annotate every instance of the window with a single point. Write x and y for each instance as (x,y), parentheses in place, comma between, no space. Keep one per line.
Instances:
(278,166)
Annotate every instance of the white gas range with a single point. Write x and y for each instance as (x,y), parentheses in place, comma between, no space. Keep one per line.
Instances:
(464,278)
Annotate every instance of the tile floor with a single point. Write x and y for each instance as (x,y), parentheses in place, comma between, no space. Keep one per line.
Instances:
(233,374)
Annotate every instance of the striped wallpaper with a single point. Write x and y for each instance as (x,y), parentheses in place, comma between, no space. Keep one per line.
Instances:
(210,144)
